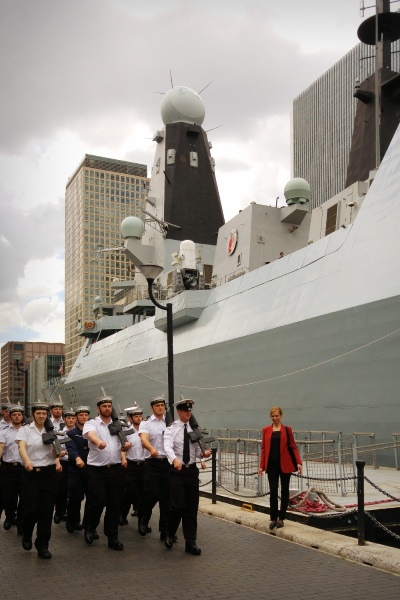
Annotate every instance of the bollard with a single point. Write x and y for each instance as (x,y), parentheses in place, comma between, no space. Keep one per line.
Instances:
(360,464)
(214,475)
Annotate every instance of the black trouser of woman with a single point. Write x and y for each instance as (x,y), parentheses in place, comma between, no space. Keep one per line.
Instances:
(38,495)
(274,473)
(12,481)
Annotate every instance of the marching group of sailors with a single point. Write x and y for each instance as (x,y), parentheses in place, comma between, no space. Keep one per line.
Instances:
(149,463)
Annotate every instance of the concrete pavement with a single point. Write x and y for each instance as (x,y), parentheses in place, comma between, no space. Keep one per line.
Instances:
(239,562)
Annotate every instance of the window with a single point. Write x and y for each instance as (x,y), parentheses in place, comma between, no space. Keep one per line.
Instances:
(331,218)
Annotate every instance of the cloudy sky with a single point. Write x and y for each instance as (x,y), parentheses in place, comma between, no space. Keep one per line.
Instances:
(80,76)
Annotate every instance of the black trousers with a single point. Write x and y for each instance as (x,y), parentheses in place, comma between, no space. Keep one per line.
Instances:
(77,491)
(62,489)
(105,487)
(134,488)
(156,488)
(12,482)
(38,496)
(184,501)
(274,473)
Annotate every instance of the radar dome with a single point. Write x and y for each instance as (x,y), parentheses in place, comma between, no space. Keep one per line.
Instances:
(132,227)
(297,191)
(182,105)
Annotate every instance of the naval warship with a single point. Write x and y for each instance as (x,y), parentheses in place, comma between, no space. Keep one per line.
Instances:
(316,331)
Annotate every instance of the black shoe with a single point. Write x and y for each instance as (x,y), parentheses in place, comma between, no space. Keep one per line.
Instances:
(169,541)
(63,517)
(272,525)
(78,527)
(88,534)
(26,543)
(57,519)
(7,524)
(149,529)
(115,544)
(95,535)
(69,526)
(134,514)
(123,521)
(163,536)
(191,548)
(43,553)
(280,524)
(142,527)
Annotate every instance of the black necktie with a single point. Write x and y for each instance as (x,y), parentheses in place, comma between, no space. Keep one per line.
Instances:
(186,452)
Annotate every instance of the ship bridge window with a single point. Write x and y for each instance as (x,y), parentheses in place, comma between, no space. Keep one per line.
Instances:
(331,219)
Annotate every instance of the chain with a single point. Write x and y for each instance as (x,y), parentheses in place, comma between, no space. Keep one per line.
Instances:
(203,484)
(397,537)
(381,490)
(351,478)
(241,495)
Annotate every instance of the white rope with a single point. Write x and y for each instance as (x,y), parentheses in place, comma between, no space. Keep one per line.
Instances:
(239,385)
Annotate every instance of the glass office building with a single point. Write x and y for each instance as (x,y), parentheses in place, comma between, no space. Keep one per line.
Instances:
(99,195)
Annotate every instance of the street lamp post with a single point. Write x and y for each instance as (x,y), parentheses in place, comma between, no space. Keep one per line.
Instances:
(150,272)
(25,372)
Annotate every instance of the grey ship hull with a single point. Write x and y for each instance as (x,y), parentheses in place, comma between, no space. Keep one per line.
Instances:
(317,332)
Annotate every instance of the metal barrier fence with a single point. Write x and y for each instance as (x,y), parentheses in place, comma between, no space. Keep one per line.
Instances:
(329,460)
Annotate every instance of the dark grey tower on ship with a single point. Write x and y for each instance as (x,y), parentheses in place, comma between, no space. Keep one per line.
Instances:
(378,108)
(184,193)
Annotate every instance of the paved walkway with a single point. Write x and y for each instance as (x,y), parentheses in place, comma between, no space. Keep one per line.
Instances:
(238,563)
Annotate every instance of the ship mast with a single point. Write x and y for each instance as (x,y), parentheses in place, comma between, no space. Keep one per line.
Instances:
(379,100)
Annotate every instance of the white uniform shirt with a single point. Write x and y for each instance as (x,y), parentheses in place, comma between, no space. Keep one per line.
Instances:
(7,437)
(137,450)
(56,423)
(155,428)
(4,425)
(40,455)
(173,443)
(111,454)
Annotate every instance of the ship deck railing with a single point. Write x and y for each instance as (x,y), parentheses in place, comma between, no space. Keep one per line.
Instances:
(328,463)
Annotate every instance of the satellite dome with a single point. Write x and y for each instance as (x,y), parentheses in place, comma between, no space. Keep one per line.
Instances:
(182,105)
(297,191)
(132,227)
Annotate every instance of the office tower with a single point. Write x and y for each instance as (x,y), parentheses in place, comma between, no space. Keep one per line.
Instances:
(13,381)
(99,195)
(322,122)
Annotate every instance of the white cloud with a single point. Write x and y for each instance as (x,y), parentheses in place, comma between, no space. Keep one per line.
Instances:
(41,278)
(45,316)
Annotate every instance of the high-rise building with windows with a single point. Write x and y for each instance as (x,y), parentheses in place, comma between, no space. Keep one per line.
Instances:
(99,195)
(13,380)
(322,122)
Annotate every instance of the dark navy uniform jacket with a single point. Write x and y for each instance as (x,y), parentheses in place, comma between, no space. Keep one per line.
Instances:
(78,446)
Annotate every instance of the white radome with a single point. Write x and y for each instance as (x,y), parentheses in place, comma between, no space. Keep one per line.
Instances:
(182,105)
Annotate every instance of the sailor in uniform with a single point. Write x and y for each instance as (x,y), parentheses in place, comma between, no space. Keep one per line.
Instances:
(60,513)
(39,482)
(56,416)
(78,450)
(133,474)
(183,478)
(104,465)
(156,485)
(12,469)
(4,423)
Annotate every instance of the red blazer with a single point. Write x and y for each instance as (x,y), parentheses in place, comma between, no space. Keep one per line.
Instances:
(286,461)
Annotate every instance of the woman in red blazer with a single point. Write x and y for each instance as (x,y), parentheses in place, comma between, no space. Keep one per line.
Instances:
(277,462)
